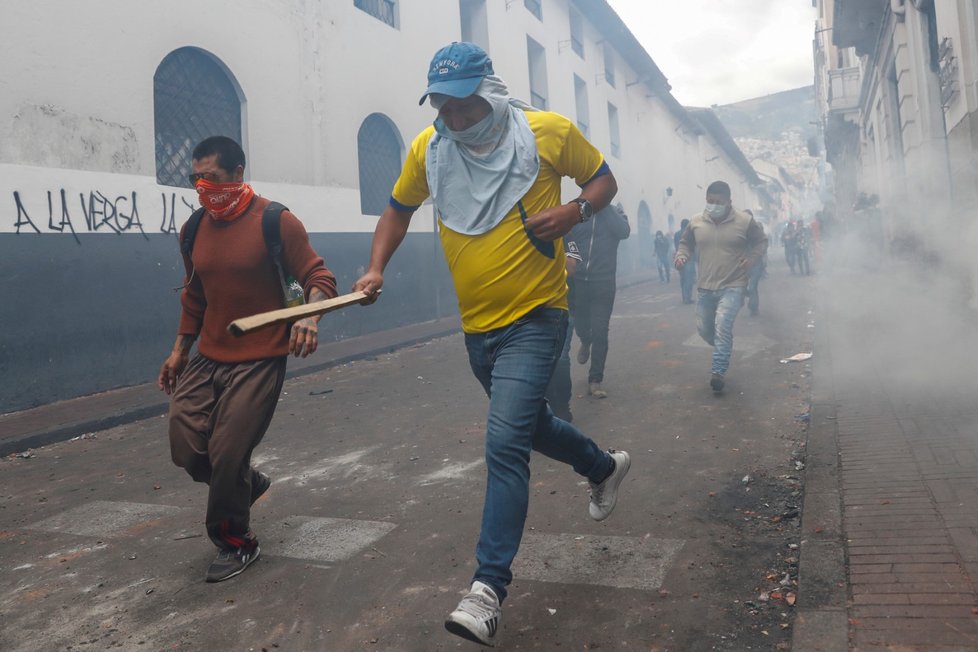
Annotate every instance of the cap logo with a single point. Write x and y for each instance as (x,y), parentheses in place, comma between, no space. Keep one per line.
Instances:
(446,66)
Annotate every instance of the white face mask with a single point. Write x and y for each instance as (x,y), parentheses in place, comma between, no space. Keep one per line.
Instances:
(716,210)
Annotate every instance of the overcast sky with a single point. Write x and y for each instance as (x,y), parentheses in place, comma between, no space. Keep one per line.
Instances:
(722,51)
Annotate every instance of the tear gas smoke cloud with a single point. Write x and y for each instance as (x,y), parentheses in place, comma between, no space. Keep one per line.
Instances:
(900,296)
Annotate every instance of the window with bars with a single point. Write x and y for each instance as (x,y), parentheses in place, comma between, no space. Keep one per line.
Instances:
(382,10)
(380,152)
(537,61)
(194,98)
(613,132)
(580,101)
(535,7)
(577,32)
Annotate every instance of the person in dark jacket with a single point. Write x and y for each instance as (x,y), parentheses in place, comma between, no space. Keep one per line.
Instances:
(662,261)
(592,287)
(757,272)
(687,275)
(560,389)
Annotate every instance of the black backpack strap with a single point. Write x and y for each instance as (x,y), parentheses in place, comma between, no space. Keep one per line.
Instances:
(271,230)
(190,232)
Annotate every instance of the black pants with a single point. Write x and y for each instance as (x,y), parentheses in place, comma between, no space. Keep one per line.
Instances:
(591,303)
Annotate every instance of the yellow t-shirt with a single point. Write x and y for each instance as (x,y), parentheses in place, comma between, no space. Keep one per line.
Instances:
(501,275)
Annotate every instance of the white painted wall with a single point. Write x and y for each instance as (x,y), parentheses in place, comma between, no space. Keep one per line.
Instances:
(76,96)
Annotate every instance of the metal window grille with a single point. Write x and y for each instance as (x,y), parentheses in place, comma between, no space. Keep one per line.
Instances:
(379,151)
(380,9)
(584,127)
(538,101)
(193,98)
(534,7)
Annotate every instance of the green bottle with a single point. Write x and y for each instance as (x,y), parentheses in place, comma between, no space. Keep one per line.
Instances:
(294,295)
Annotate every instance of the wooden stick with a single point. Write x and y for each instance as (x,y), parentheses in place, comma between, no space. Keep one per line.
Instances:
(249,324)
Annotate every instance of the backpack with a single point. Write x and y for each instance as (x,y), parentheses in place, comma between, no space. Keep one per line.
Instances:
(270,230)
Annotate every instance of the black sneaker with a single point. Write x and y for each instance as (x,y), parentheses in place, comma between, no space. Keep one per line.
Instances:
(229,563)
(716,383)
(259,486)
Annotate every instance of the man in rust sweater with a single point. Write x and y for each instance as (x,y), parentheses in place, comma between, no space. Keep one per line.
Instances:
(224,398)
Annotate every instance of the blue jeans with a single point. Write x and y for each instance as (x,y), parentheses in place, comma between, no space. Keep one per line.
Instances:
(559,391)
(716,311)
(514,365)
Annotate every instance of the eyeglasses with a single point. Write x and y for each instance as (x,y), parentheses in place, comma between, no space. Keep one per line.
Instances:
(206,176)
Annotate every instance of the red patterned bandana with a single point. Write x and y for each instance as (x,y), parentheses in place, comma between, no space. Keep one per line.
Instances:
(224,201)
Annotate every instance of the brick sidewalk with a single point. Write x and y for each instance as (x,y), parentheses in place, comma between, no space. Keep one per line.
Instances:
(894,445)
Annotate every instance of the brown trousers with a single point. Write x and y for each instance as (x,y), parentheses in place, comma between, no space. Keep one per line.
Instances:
(218,414)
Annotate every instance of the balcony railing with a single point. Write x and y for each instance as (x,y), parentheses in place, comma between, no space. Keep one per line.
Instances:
(844,87)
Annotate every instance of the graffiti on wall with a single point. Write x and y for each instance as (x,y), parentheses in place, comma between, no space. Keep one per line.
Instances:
(95,212)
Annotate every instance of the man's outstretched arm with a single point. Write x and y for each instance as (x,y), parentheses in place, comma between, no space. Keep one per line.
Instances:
(390,232)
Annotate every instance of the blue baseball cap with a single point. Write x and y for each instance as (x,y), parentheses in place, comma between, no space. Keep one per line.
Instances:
(457,69)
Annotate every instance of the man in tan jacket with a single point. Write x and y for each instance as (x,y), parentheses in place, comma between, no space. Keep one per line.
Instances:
(727,243)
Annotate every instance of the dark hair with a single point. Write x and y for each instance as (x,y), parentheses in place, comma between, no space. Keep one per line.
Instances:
(719,188)
(684,223)
(229,153)
(749,212)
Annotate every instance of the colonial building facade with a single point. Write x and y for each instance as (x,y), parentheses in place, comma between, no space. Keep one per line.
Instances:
(102,104)
(897,86)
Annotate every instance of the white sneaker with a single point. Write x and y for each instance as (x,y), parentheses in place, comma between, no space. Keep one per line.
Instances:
(476,617)
(605,495)
(595,390)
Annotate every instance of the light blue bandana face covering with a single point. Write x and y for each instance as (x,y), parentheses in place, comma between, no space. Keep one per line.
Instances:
(477,176)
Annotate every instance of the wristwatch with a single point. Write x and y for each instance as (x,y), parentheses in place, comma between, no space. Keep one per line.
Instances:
(585,209)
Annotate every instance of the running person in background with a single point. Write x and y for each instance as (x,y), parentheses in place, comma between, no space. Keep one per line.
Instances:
(729,242)
(593,286)
(757,272)
(662,261)
(687,275)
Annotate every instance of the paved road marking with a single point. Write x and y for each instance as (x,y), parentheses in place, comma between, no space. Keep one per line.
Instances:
(620,562)
(103,518)
(321,539)
(455,471)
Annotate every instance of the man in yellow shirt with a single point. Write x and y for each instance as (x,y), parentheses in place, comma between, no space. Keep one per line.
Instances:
(492,166)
